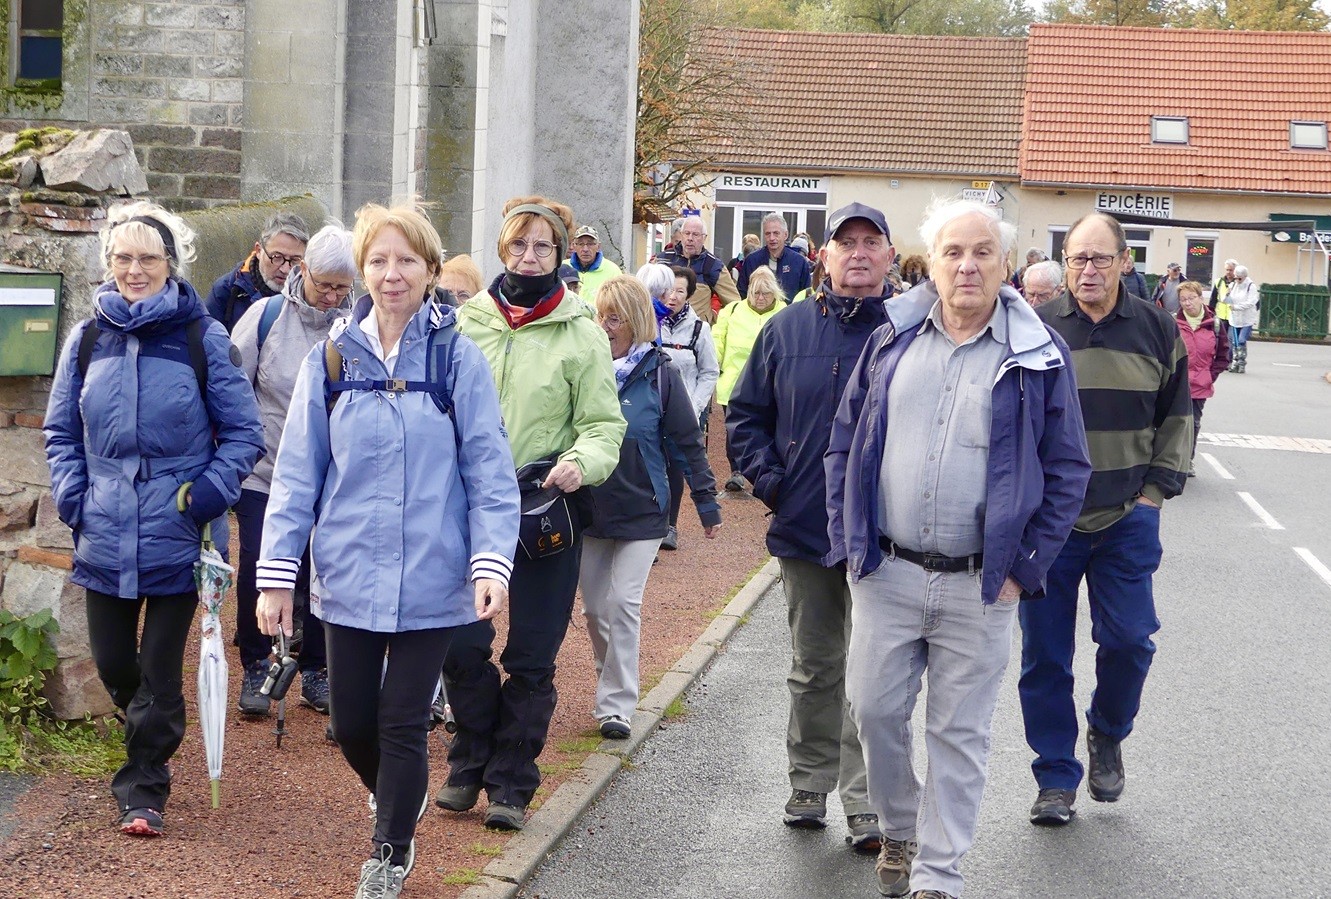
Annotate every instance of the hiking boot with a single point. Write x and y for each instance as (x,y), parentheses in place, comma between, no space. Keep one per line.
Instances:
(893,866)
(380,878)
(1104,776)
(142,822)
(1053,807)
(252,702)
(458,799)
(736,483)
(615,727)
(505,817)
(671,539)
(314,690)
(931,894)
(864,833)
(805,808)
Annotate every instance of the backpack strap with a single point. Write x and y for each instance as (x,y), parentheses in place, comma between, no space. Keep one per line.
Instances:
(86,343)
(439,378)
(662,382)
(198,356)
(272,308)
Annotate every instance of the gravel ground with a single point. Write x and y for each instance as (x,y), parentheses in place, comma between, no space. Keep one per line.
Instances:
(293,822)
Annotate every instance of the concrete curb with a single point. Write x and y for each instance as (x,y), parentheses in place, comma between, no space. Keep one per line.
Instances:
(504,876)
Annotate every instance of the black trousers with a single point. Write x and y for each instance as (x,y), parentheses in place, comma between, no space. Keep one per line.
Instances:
(502,730)
(254,645)
(1197,407)
(381,716)
(144,680)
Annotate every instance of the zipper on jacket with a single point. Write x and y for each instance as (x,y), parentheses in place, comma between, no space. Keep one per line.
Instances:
(836,394)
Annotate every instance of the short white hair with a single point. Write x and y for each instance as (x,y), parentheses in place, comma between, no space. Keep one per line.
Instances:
(329,252)
(119,223)
(1047,271)
(779,219)
(659,279)
(695,218)
(943,212)
(1240,271)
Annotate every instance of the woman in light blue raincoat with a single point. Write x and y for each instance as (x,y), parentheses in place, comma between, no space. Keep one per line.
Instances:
(394,447)
(148,402)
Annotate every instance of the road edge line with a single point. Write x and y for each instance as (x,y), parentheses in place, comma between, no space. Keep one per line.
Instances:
(547,827)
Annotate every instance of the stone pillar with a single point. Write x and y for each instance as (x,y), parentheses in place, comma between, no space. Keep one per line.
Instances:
(292,142)
(586,98)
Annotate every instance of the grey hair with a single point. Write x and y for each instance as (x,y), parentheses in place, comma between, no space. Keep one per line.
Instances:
(1047,270)
(778,218)
(694,218)
(1240,271)
(943,212)
(1233,262)
(1039,254)
(287,223)
(118,224)
(657,278)
(677,225)
(329,252)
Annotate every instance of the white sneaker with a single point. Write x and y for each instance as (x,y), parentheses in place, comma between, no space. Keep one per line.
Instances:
(380,878)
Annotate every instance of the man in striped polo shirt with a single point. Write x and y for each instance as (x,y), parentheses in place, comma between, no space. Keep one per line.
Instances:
(1132,377)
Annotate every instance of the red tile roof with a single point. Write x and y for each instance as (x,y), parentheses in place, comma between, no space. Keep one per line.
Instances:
(1091,92)
(876,102)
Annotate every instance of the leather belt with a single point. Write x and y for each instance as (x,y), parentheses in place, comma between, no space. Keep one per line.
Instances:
(932,561)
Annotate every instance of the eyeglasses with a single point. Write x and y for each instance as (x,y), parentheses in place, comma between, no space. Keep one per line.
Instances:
(124,261)
(338,290)
(585,242)
(281,259)
(613,321)
(1100,261)
(542,248)
(1040,296)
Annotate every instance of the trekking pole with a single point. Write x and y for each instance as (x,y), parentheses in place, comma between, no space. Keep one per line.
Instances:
(280,675)
(441,711)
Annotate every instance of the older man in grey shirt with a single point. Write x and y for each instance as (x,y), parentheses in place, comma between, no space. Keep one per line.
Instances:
(955,470)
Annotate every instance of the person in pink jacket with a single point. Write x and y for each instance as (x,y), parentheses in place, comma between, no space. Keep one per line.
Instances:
(1209,352)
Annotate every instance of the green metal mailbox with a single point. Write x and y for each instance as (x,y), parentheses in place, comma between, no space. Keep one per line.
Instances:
(29,320)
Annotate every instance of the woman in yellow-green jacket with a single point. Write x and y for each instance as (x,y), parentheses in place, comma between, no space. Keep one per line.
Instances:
(551,363)
(735,331)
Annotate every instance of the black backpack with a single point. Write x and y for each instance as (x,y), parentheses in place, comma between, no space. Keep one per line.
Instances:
(198,357)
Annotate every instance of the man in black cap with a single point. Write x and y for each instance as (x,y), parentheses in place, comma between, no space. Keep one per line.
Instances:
(779,419)
(1166,292)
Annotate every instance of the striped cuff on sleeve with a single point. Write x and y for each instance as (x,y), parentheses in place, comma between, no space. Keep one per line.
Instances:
(490,565)
(276,574)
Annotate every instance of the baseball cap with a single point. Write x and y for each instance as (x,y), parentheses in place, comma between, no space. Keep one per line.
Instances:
(800,244)
(569,275)
(1174,267)
(587,231)
(856,211)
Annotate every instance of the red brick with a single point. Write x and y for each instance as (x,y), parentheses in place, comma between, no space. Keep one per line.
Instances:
(35,556)
(30,419)
(6,419)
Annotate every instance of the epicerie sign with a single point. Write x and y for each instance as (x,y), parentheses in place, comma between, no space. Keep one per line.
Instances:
(770,182)
(1160,206)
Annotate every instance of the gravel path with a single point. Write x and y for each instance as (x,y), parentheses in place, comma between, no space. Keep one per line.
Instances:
(294,822)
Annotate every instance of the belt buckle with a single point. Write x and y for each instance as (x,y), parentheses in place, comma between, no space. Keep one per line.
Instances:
(396,384)
(932,561)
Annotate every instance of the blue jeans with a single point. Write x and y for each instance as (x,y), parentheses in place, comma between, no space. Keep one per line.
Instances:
(1117,563)
(1239,336)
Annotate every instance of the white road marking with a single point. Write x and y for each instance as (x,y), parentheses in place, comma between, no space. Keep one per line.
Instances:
(1261,513)
(1286,365)
(1257,441)
(1215,463)
(1315,564)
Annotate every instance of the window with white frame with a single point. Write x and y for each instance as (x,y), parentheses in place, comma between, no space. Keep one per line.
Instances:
(1169,129)
(1307,135)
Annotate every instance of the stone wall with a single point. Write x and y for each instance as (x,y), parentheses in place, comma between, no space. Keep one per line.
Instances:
(169,73)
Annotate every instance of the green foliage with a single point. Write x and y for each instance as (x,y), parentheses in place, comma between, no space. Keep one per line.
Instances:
(462,877)
(26,655)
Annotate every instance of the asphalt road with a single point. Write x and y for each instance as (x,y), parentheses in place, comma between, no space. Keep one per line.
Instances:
(1228,778)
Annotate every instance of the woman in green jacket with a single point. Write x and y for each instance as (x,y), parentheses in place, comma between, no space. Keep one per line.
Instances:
(735,331)
(551,363)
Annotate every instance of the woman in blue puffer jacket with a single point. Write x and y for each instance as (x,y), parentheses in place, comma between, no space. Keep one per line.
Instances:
(153,401)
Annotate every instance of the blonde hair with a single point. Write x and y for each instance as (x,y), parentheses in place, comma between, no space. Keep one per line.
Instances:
(624,296)
(515,226)
(764,280)
(119,227)
(462,266)
(406,217)
(1192,287)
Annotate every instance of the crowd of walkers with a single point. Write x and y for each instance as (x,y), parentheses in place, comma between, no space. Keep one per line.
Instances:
(409,464)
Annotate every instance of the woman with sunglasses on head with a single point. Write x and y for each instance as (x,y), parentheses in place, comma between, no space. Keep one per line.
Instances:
(551,363)
(149,407)
(274,336)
